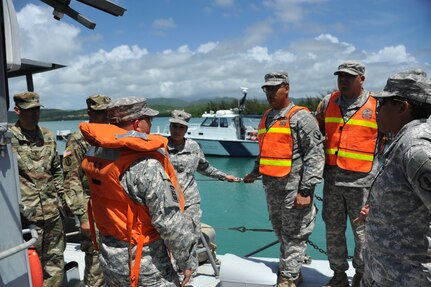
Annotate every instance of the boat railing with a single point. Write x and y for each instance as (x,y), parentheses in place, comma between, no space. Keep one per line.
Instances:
(20,247)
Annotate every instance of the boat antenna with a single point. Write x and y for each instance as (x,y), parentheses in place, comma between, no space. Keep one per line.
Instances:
(241,104)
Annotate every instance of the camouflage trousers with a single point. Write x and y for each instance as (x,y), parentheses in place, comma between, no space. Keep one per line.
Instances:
(50,246)
(368,282)
(338,203)
(193,215)
(292,226)
(93,275)
(156,269)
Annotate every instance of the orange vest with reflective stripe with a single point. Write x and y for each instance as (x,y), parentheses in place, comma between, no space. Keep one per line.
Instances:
(110,207)
(351,145)
(276,145)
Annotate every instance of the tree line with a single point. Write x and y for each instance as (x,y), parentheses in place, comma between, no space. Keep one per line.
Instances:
(196,109)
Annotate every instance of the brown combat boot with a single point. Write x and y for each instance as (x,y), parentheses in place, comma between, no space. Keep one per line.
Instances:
(339,280)
(286,282)
(356,281)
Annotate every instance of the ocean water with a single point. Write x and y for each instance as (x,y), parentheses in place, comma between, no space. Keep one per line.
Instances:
(227,206)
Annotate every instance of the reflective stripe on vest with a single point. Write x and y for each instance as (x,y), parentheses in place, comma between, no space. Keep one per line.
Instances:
(351,145)
(276,145)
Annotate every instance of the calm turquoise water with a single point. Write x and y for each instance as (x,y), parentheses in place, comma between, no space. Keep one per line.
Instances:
(226,205)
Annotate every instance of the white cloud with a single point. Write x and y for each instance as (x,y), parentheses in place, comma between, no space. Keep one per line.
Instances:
(212,69)
(397,54)
(38,29)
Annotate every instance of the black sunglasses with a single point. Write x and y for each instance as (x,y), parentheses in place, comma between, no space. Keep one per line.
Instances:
(382,101)
(272,89)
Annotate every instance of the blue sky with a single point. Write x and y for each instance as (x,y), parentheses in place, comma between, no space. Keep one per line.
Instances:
(197,48)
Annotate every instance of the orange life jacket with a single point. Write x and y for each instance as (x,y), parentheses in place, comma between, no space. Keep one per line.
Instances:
(276,145)
(351,145)
(110,207)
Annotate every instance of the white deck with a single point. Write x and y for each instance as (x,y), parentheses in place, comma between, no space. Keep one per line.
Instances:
(238,271)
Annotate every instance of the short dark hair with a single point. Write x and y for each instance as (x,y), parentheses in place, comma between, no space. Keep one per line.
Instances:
(420,110)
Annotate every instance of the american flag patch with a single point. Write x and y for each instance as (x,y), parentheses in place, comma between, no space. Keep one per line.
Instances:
(66,152)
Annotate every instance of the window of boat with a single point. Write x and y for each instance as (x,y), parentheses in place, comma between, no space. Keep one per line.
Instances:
(223,123)
(210,122)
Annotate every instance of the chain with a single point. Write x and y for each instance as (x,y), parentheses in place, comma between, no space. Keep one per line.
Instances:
(315,246)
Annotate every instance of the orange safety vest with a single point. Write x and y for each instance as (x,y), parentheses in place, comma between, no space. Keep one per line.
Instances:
(351,145)
(110,207)
(276,145)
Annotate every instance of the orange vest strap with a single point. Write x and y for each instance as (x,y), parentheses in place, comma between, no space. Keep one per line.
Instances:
(134,269)
(92,227)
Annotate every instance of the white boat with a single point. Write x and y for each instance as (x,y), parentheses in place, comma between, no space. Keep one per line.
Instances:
(225,133)
(227,270)
(230,270)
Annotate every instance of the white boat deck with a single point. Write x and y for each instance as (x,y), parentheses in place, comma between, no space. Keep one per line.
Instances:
(238,271)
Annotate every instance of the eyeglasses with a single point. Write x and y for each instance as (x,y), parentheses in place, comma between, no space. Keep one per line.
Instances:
(148,119)
(382,101)
(272,89)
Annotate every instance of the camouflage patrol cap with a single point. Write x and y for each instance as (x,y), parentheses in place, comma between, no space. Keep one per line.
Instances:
(128,109)
(180,117)
(410,85)
(276,78)
(351,67)
(98,102)
(27,100)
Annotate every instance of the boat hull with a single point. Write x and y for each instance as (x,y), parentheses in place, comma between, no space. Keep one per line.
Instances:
(231,148)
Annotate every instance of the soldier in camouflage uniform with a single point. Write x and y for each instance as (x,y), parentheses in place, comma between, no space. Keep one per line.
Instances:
(397,248)
(146,183)
(346,191)
(41,184)
(77,190)
(289,178)
(187,157)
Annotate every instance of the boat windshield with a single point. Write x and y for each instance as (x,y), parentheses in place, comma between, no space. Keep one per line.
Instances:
(210,122)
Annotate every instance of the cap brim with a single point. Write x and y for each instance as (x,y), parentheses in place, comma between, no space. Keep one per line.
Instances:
(383,94)
(178,121)
(347,71)
(151,112)
(273,83)
(26,107)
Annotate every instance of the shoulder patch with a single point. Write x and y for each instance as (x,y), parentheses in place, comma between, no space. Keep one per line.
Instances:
(67,161)
(424,180)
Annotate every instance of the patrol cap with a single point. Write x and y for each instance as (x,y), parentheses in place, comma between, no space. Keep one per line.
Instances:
(409,85)
(353,68)
(98,102)
(180,117)
(128,109)
(27,100)
(276,78)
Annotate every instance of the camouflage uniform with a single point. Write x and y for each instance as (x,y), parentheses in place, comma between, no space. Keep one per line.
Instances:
(294,225)
(78,193)
(398,228)
(41,184)
(344,194)
(187,159)
(77,189)
(147,183)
